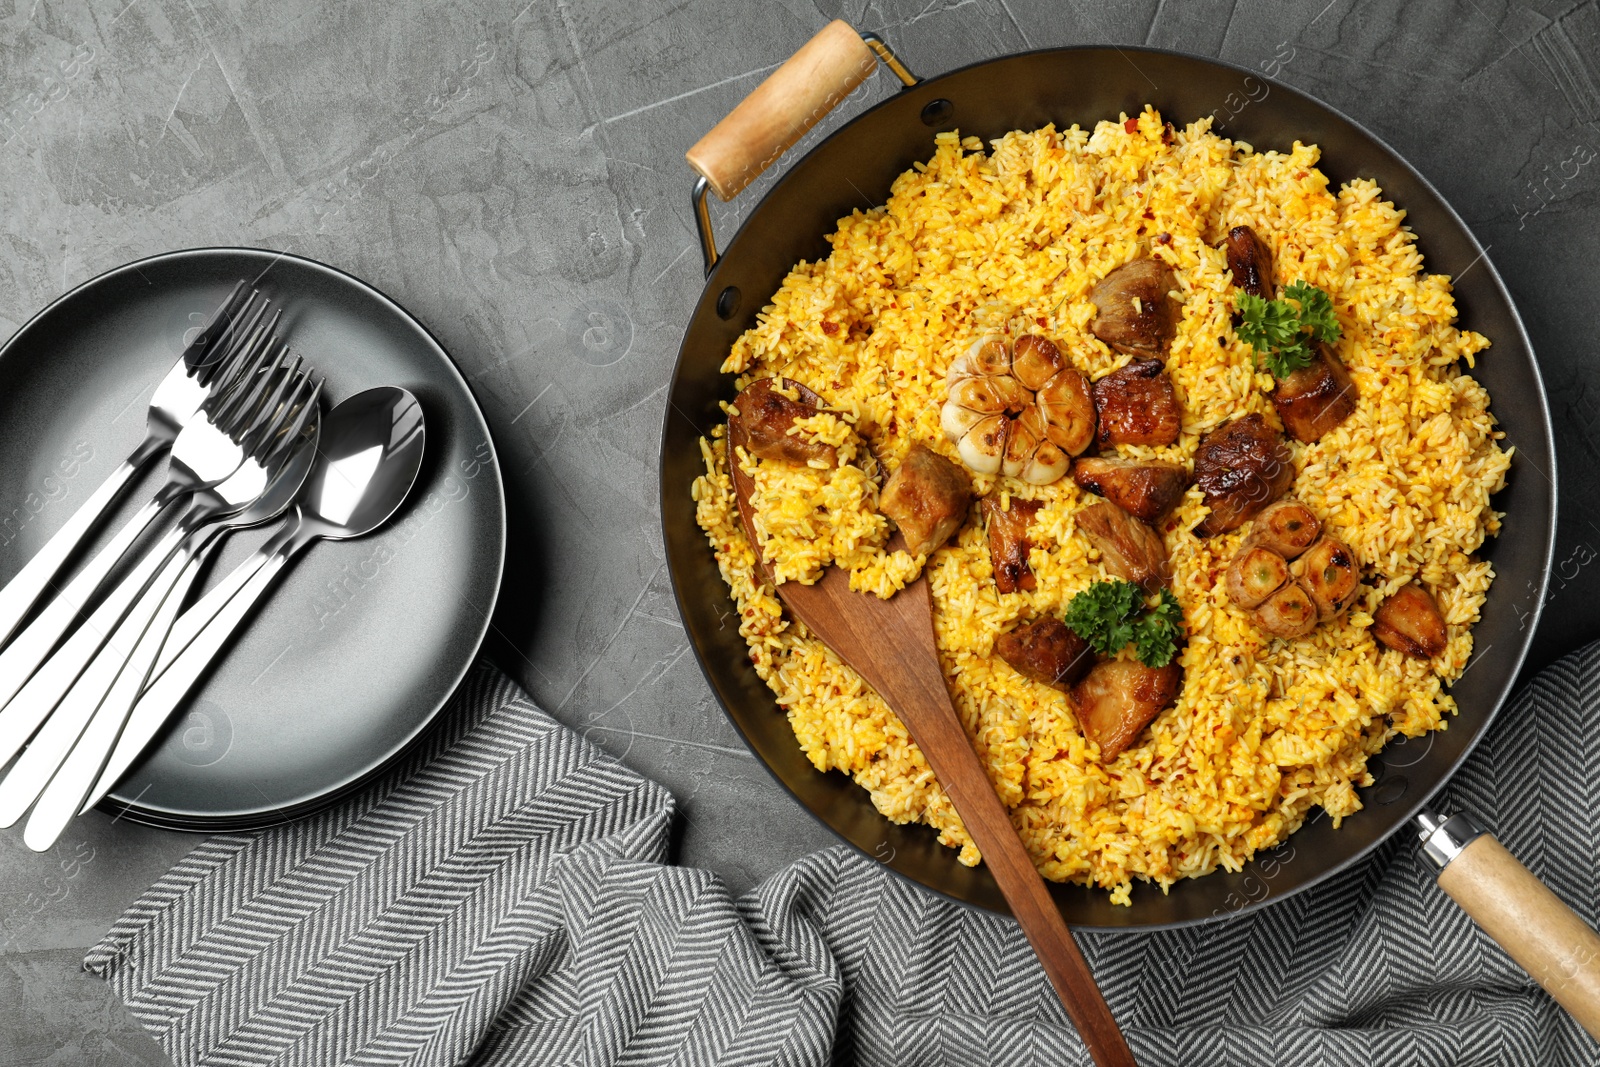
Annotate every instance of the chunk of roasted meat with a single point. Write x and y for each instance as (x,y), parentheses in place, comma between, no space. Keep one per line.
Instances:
(1008,542)
(1145,489)
(927,498)
(1287,527)
(1289,612)
(765,416)
(1117,699)
(1314,399)
(1250,260)
(1255,574)
(1410,621)
(1330,575)
(1241,467)
(1133,312)
(1136,405)
(1046,651)
(1129,549)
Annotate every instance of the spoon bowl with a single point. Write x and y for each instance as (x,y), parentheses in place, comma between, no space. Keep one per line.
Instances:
(369,458)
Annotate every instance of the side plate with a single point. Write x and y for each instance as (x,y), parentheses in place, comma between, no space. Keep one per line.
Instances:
(362,642)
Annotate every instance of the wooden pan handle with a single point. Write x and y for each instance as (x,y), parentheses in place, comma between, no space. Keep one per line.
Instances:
(1541,933)
(793,99)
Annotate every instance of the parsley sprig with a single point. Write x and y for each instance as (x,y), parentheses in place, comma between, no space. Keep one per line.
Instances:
(1112,615)
(1281,331)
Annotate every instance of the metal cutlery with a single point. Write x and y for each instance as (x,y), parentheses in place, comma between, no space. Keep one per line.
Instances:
(208,451)
(371,450)
(177,399)
(246,349)
(278,402)
(139,639)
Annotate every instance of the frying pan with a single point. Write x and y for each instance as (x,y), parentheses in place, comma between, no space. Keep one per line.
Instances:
(854,168)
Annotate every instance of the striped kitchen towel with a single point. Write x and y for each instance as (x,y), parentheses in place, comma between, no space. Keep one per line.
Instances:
(503,899)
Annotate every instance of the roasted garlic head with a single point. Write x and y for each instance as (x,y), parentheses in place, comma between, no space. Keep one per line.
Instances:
(1017,408)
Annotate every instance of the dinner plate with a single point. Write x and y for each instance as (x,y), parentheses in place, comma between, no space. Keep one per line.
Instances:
(362,642)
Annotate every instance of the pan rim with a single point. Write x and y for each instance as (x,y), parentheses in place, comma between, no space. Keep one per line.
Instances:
(791,168)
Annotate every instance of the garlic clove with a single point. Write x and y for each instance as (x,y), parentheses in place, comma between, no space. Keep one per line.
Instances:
(990,356)
(983,447)
(957,420)
(1330,574)
(986,395)
(1035,360)
(960,369)
(1068,409)
(1048,464)
(1020,443)
(1033,418)
(1011,393)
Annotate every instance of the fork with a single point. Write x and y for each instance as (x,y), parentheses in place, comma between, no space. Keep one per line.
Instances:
(30,647)
(177,398)
(204,453)
(281,451)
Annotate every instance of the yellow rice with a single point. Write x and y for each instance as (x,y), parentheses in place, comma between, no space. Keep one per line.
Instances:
(1264,729)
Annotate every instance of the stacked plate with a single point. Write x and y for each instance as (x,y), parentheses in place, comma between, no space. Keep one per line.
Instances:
(363,641)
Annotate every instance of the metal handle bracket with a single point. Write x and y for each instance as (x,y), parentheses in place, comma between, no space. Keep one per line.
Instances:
(702,187)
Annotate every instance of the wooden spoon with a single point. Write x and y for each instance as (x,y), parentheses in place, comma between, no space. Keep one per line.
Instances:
(890,643)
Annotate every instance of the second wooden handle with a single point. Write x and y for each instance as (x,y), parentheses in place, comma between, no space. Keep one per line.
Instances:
(1546,938)
(793,99)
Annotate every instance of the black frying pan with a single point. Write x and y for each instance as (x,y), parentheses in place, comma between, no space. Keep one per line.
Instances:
(1085,85)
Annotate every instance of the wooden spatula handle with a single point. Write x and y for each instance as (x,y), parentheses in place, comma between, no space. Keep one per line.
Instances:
(922,702)
(778,113)
(891,644)
(1546,938)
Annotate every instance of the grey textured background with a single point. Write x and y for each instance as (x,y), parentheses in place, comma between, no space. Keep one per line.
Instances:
(512,172)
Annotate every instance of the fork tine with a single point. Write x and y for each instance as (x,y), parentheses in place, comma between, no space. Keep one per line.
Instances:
(246,357)
(226,404)
(205,351)
(240,410)
(242,345)
(252,357)
(225,317)
(268,416)
(300,410)
(238,331)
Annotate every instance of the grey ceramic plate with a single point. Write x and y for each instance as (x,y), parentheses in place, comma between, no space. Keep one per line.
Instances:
(362,642)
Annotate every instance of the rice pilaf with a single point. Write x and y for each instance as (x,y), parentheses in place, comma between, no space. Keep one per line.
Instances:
(1264,729)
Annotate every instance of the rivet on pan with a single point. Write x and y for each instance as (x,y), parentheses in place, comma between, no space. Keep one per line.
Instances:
(1391,789)
(728,302)
(937,112)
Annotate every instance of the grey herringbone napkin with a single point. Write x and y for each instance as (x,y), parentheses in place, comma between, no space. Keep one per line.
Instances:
(502,900)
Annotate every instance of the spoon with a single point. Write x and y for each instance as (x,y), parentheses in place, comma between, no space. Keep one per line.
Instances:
(890,643)
(371,450)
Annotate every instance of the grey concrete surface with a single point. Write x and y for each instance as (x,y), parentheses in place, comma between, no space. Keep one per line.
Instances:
(512,172)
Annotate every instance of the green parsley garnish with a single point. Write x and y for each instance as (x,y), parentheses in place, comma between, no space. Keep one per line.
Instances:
(1155,638)
(1103,615)
(1111,615)
(1316,311)
(1281,331)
